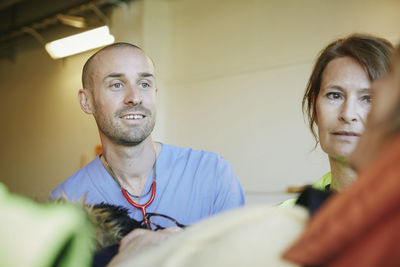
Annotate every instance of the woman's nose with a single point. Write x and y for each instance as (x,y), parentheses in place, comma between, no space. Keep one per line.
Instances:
(349,112)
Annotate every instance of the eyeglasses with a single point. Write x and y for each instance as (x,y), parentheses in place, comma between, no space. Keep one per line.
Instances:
(153,221)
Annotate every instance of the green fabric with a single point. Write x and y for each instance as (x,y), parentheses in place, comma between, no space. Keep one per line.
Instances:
(320,184)
(34,234)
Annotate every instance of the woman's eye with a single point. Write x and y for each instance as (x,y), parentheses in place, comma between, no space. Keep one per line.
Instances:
(333,95)
(366,99)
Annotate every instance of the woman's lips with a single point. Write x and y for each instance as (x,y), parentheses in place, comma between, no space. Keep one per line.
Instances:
(344,135)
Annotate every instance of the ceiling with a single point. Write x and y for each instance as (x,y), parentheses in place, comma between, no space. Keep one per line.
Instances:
(23,22)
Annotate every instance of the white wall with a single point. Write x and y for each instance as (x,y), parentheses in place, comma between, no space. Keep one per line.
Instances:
(238,73)
(43,130)
(231,75)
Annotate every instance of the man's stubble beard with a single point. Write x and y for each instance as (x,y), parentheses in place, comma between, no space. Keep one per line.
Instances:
(129,135)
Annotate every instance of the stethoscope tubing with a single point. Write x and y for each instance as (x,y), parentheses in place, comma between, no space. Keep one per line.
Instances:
(142,207)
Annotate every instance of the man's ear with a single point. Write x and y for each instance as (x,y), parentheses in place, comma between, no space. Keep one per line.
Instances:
(85,100)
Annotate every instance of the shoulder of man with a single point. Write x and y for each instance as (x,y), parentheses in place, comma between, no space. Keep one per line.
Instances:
(207,165)
(191,153)
(67,188)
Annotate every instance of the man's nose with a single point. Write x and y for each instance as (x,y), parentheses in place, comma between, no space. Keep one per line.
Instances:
(133,96)
(349,111)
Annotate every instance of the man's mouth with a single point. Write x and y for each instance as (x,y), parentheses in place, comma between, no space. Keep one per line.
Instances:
(133,117)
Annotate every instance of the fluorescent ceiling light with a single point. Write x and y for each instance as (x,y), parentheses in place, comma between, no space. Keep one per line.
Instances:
(80,42)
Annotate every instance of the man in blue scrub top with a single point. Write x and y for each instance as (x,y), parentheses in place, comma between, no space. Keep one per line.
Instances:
(119,90)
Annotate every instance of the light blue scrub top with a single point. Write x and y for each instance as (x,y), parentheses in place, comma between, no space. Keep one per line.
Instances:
(191,185)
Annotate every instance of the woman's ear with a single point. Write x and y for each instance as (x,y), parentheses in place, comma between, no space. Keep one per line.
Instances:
(85,100)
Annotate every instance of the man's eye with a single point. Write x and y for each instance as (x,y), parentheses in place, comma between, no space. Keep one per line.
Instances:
(144,85)
(333,95)
(116,85)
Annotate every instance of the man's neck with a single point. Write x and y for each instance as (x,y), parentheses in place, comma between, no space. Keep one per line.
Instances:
(342,174)
(131,165)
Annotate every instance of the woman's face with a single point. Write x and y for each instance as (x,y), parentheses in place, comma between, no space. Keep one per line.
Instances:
(342,106)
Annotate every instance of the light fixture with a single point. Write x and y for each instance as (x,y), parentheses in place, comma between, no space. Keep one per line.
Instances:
(80,42)
(74,21)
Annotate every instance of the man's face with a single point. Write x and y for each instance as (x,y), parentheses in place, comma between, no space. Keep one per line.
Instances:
(379,128)
(123,95)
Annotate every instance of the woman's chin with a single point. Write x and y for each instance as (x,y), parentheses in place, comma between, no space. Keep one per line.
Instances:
(340,155)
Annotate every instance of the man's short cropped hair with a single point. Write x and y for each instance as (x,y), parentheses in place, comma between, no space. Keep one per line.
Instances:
(86,67)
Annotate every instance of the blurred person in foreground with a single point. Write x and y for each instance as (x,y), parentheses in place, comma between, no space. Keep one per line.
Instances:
(355,227)
(43,234)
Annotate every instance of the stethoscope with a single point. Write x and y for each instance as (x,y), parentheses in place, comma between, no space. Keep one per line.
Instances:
(127,195)
(143,206)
